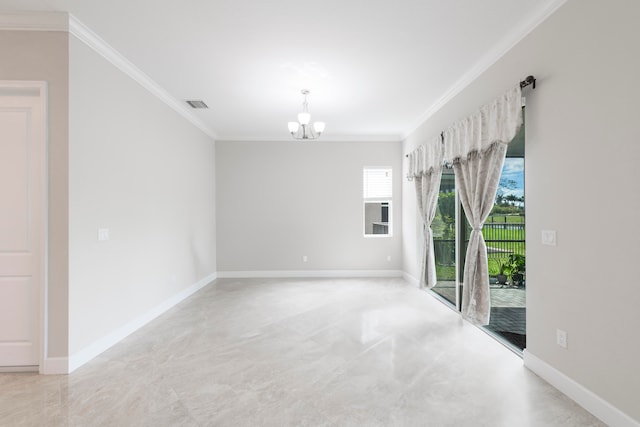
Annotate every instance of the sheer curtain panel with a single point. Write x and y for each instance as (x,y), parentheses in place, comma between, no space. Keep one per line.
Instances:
(476,146)
(425,169)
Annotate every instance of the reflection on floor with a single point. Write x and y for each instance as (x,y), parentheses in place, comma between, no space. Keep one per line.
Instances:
(294,352)
(508,311)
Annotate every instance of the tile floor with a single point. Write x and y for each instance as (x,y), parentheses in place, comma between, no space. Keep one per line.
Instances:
(317,352)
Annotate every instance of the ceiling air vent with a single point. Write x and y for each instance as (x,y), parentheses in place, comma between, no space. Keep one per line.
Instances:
(197,104)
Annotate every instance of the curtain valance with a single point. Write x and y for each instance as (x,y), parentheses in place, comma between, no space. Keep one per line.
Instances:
(476,147)
(496,122)
(426,159)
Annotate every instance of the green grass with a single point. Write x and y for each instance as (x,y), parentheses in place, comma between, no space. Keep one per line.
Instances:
(502,234)
(509,219)
(445,272)
(498,234)
(490,233)
(448,272)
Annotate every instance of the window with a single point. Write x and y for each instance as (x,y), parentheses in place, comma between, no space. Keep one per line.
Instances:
(377,195)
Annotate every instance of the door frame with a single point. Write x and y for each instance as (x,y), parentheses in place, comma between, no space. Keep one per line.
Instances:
(41,88)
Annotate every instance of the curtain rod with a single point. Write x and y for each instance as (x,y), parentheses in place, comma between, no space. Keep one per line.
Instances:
(529,80)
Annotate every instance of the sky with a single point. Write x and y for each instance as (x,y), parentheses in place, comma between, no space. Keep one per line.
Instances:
(513,170)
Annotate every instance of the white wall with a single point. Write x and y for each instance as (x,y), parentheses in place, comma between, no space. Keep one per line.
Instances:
(278,201)
(582,157)
(141,170)
(43,55)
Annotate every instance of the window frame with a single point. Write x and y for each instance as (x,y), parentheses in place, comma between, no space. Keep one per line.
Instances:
(381,200)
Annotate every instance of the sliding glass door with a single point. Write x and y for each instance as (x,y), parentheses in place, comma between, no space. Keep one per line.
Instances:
(444,239)
(504,234)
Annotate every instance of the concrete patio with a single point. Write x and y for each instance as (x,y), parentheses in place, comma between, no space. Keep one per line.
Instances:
(501,296)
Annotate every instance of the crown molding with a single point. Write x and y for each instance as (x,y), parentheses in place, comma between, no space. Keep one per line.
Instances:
(322,139)
(34,21)
(95,42)
(498,51)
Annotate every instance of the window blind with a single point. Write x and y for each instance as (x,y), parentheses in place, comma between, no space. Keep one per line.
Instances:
(377,183)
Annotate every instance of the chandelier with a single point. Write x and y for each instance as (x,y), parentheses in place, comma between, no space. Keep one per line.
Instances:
(301,128)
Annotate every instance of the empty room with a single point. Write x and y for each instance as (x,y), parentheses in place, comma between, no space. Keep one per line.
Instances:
(339,213)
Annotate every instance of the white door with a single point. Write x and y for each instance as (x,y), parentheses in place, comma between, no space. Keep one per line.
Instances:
(22,154)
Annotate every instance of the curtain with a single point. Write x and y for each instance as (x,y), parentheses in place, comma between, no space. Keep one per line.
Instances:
(425,169)
(476,146)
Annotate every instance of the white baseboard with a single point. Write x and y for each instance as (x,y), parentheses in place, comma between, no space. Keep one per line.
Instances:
(55,366)
(409,278)
(307,274)
(593,403)
(86,354)
(12,369)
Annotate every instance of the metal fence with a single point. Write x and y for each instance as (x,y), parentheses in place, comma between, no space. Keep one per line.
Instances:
(502,239)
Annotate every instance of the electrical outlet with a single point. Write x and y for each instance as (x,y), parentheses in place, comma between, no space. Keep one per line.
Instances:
(561,338)
(305,258)
(103,234)
(389,258)
(549,237)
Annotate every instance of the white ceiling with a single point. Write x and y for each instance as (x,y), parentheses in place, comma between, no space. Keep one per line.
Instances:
(376,68)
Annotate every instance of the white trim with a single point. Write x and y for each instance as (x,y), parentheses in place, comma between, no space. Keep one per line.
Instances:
(34,21)
(498,51)
(59,21)
(10,369)
(44,292)
(307,273)
(42,88)
(593,403)
(409,278)
(86,354)
(95,42)
(324,138)
(55,366)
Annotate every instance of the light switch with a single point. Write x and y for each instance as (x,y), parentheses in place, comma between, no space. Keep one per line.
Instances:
(103,234)
(549,237)
(561,338)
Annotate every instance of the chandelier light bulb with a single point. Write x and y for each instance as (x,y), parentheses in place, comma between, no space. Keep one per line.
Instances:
(318,127)
(304,118)
(293,127)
